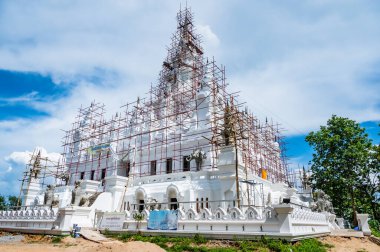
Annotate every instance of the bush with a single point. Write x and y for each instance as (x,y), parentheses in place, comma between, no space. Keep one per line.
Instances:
(199,239)
(279,245)
(56,239)
(374,225)
(107,232)
(124,237)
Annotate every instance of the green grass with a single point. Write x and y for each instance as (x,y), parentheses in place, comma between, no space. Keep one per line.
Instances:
(311,245)
(57,239)
(200,244)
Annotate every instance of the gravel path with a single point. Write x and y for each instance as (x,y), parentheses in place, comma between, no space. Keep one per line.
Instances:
(38,243)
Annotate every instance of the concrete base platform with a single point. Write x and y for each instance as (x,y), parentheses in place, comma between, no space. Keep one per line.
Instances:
(34,231)
(347,233)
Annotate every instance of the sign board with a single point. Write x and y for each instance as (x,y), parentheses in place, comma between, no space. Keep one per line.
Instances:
(97,148)
(112,221)
(163,220)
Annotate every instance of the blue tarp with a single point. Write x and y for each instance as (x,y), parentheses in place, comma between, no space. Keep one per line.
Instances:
(163,220)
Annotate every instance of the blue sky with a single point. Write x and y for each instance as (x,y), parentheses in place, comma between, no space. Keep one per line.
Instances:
(297,62)
(300,152)
(22,88)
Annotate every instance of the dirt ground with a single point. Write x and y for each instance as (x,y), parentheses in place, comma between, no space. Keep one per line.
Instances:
(343,244)
(39,243)
(35,243)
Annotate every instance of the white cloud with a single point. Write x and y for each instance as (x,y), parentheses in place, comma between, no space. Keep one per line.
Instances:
(19,157)
(301,65)
(23,157)
(70,40)
(303,90)
(23,98)
(208,36)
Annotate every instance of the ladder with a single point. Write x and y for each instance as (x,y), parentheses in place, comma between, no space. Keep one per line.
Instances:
(122,197)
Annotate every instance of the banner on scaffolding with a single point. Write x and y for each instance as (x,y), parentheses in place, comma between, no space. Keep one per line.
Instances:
(163,220)
(95,149)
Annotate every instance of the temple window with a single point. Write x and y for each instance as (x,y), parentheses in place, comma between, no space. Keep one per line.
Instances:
(153,167)
(169,165)
(186,164)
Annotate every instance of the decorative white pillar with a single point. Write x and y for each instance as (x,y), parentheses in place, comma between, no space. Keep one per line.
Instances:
(116,186)
(363,223)
(284,217)
(75,215)
(227,157)
(31,192)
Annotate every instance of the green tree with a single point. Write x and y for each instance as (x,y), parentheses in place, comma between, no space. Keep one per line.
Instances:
(12,201)
(2,203)
(340,163)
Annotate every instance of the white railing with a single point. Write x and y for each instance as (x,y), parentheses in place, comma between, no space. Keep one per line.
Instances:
(252,220)
(30,214)
(218,214)
(302,215)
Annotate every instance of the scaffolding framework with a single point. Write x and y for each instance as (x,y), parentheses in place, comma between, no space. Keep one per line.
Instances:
(44,171)
(189,108)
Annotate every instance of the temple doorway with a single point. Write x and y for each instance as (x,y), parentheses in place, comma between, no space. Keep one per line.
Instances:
(173,204)
(172,198)
(141,205)
(140,200)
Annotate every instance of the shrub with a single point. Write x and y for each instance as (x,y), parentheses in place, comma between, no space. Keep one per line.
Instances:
(199,239)
(107,232)
(56,239)
(374,225)
(279,245)
(124,236)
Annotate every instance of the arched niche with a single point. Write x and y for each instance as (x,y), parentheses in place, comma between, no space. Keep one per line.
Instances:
(173,196)
(221,214)
(251,213)
(140,196)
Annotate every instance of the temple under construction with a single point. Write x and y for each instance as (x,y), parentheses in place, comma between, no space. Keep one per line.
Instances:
(183,125)
(189,146)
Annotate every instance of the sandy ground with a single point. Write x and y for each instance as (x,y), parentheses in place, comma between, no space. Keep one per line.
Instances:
(69,244)
(38,243)
(343,244)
